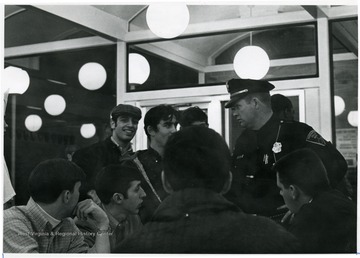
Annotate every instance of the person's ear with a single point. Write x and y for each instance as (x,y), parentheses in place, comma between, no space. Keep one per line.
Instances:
(294,191)
(255,102)
(166,185)
(227,184)
(65,196)
(150,130)
(118,198)
(112,124)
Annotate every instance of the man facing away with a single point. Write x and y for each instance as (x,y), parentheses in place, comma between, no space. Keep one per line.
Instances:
(44,224)
(265,140)
(195,217)
(119,189)
(193,116)
(124,121)
(282,107)
(159,123)
(324,219)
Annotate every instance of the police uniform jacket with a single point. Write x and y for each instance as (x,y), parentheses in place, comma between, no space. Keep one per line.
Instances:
(254,185)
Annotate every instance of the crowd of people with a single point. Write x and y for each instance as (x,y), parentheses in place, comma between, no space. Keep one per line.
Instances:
(281,190)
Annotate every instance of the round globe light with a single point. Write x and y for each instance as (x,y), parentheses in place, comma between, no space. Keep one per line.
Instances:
(92,76)
(251,62)
(139,69)
(87,130)
(16,80)
(55,105)
(33,123)
(167,20)
(353,118)
(339,105)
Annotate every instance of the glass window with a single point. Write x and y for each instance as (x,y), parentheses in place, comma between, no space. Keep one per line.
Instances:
(59,135)
(344,42)
(208,59)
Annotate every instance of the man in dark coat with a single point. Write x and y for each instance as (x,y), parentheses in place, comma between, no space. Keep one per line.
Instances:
(195,217)
(324,219)
(265,139)
(124,121)
(159,123)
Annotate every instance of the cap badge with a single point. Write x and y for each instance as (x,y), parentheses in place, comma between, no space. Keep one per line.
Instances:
(277,147)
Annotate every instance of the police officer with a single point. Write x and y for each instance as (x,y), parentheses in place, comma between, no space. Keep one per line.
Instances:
(266,139)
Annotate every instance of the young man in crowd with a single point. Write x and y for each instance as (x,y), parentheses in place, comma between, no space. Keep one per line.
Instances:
(266,139)
(195,217)
(282,107)
(124,121)
(119,189)
(44,224)
(159,123)
(193,116)
(323,219)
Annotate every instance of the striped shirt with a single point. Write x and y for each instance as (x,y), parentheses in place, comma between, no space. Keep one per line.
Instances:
(29,229)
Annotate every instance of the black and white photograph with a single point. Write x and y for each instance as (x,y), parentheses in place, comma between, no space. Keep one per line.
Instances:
(179,127)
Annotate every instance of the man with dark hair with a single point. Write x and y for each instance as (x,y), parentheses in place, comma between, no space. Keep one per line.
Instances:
(119,189)
(282,107)
(266,139)
(124,121)
(324,220)
(195,217)
(44,224)
(159,123)
(193,116)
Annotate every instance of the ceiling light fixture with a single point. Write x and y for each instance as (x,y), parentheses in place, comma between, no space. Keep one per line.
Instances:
(54,105)
(33,123)
(16,80)
(167,20)
(92,76)
(251,62)
(353,118)
(339,105)
(139,68)
(87,130)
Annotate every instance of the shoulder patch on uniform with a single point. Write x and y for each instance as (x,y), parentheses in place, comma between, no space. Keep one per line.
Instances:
(316,138)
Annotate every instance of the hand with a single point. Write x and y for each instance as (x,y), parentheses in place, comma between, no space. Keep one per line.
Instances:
(89,210)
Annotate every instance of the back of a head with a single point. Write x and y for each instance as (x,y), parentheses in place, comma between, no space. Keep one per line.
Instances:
(191,115)
(279,103)
(115,178)
(158,113)
(49,178)
(305,169)
(196,157)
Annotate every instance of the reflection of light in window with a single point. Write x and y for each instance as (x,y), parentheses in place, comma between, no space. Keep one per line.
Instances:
(353,118)
(251,62)
(92,76)
(87,130)
(33,123)
(55,105)
(16,80)
(167,20)
(339,105)
(139,69)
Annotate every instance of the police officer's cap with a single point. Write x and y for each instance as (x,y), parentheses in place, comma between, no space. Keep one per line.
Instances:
(126,110)
(239,88)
